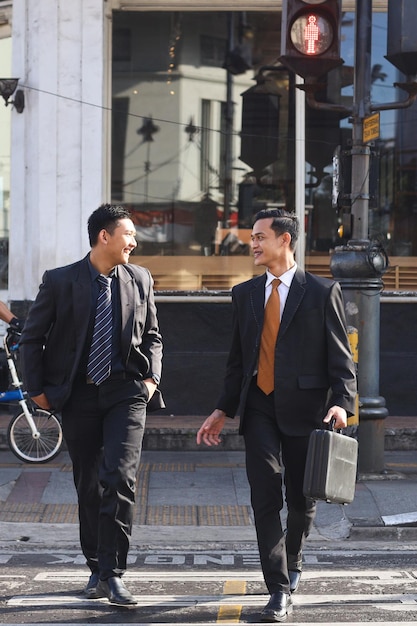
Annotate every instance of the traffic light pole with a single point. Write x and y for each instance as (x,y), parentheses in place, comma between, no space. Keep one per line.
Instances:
(310,47)
(228,130)
(359,265)
(361,108)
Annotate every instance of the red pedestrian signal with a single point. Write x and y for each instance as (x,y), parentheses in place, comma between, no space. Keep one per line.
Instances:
(310,36)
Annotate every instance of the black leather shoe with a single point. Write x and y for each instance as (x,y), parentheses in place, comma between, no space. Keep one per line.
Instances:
(90,590)
(295,577)
(278,608)
(113,589)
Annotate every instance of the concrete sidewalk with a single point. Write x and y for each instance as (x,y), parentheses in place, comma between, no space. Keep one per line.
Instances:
(201,497)
(177,433)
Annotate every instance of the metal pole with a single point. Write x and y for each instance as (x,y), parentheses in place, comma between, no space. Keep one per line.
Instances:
(300,168)
(361,108)
(228,143)
(359,265)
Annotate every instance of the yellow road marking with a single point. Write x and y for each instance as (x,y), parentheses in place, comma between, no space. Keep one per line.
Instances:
(231,612)
(234,587)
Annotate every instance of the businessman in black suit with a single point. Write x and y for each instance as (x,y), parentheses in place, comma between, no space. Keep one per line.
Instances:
(310,379)
(103,397)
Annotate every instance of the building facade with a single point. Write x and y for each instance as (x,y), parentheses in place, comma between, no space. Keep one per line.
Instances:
(183,112)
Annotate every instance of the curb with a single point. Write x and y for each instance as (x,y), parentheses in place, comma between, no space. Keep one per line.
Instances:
(383,533)
(169,439)
(400,439)
(178,433)
(184,439)
(20,536)
(181,439)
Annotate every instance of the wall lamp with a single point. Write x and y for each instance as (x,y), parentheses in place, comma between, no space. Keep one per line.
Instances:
(7,89)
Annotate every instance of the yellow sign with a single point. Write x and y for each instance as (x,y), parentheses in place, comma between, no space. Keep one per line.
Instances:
(370,128)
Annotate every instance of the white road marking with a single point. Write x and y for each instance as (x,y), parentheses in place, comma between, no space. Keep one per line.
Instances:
(167,600)
(12,581)
(193,576)
(310,554)
(380,577)
(400,519)
(402,602)
(4,558)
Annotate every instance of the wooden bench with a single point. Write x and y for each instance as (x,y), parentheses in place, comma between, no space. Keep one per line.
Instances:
(220,273)
(400,276)
(184,273)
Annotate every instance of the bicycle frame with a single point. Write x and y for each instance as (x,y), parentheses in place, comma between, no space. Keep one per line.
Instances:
(17,394)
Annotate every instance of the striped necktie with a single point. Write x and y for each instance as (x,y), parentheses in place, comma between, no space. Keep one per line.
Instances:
(99,360)
(265,379)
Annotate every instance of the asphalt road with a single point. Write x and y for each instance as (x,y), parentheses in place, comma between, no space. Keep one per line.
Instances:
(194,558)
(361,584)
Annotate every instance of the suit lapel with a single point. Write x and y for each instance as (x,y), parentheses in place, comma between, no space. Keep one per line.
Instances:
(294,298)
(257,299)
(127,304)
(81,295)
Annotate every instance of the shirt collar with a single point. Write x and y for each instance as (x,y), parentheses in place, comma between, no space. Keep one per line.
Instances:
(285,278)
(94,273)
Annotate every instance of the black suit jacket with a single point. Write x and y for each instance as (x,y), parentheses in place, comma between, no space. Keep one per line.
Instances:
(56,328)
(314,368)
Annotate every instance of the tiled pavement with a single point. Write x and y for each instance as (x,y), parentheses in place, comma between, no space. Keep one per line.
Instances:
(182,489)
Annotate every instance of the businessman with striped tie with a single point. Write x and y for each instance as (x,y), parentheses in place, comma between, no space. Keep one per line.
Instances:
(91,349)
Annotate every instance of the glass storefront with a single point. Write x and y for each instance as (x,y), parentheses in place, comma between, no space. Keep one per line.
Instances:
(203,136)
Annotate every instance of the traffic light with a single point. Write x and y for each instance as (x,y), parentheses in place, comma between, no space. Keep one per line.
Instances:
(260,128)
(401,39)
(310,36)
(239,60)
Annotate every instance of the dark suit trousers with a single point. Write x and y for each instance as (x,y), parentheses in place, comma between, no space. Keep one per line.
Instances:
(103,427)
(265,446)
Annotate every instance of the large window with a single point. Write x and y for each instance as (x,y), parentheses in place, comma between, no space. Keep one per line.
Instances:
(203,137)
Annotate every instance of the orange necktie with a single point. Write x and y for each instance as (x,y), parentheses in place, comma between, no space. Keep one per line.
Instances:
(270,329)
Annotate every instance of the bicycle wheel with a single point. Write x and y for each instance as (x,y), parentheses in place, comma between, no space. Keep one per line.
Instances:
(30,449)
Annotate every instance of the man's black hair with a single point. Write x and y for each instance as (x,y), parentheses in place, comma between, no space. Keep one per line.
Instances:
(107,216)
(282,222)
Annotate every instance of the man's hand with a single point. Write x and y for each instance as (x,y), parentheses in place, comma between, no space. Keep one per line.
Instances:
(339,414)
(151,386)
(42,401)
(211,428)
(16,324)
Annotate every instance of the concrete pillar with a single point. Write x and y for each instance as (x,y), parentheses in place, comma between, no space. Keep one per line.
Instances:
(60,141)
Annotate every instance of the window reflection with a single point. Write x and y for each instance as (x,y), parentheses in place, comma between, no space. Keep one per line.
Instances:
(203,138)
(181,159)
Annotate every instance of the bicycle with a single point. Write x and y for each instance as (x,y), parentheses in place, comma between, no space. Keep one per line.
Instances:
(34,435)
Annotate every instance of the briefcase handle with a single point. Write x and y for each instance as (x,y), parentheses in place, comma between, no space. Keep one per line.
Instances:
(330,426)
